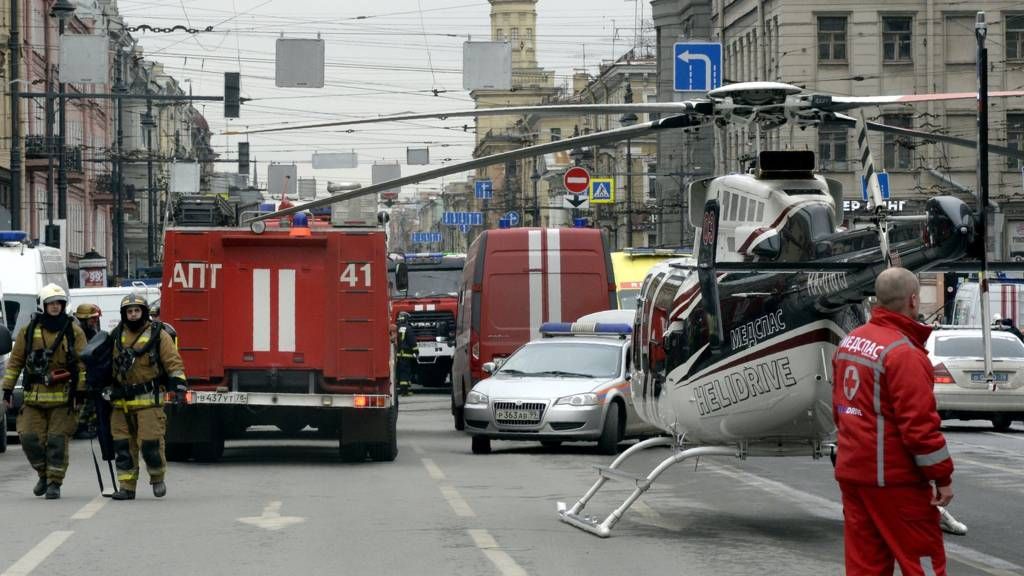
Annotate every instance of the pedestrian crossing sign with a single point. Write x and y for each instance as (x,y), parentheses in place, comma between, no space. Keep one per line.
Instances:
(602,190)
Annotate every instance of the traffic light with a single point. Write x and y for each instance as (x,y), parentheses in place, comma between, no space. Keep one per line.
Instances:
(243,157)
(231,94)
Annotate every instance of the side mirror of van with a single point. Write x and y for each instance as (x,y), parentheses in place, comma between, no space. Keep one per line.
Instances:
(401,276)
(489,367)
(5,340)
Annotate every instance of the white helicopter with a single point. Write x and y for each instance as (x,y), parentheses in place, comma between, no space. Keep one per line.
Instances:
(732,348)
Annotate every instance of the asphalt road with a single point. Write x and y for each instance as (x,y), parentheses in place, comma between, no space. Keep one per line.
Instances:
(280,505)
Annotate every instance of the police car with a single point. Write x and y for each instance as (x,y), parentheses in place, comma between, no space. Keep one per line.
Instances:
(573,384)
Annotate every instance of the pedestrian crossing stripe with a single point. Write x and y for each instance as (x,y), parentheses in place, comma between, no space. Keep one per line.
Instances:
(602,190)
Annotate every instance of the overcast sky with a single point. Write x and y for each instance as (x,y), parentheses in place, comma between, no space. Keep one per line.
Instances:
(382,57)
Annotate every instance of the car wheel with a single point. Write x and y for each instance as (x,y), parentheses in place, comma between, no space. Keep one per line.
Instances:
(481,445)
(551,443)
(609,442)
(1001,422)
(458,415)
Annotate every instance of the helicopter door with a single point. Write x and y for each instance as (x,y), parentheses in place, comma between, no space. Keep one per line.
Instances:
(643,344)
(707,275)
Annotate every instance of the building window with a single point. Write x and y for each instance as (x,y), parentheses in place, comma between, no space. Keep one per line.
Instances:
(1015,138)
(515,34)
(556,134)
(832,148)
(897,150)
(896,38)
(1015,37)
(832,38)
(500,35)
(529,33)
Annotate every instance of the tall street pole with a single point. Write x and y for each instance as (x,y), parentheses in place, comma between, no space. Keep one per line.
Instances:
(629,119)
(149,124)
(15,68)
(118,180)
(62,168)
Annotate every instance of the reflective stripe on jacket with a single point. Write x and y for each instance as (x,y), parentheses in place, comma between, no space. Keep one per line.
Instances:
(884,407)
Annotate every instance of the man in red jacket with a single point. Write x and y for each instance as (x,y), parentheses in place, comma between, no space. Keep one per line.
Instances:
(892,463)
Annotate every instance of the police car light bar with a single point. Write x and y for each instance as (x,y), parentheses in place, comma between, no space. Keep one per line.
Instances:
(586,329)
(13,236)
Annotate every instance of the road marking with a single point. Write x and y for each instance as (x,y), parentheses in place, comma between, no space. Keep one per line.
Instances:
(825,508)
(417,449)
(37,555)
(90,509)
(1005,435)
(501,560)
(460,506)
(1014,471)
(432,469)
(271,518)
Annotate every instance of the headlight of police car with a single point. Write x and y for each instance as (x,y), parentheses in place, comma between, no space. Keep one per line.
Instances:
(476,398)
(578,400)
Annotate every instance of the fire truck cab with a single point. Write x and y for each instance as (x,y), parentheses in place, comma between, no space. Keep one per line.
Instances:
(432,300)
(281,324)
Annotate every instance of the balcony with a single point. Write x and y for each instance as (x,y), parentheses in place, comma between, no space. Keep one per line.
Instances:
(39,149)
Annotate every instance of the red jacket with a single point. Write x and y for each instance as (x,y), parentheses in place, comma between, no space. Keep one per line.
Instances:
(884,407)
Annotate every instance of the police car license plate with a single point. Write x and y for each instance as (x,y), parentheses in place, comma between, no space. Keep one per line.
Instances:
(999,376)
(517,415)
(220,397)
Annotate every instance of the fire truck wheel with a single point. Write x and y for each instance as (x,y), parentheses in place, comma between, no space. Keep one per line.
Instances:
(458,416)
(178,452)
(481,445)
(355,452)
(387,451)
(209,451)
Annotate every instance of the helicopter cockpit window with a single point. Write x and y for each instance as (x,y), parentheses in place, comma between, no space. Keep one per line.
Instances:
(804,227)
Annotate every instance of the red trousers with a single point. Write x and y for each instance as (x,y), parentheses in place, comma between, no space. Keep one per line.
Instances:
(892,523)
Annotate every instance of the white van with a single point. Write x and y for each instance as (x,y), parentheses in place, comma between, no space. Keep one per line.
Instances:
(1005,299)
(109,300)
(24,269)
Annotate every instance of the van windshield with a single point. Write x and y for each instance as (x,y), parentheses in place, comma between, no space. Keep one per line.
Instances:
(427,283)
(18,309)
(569,359)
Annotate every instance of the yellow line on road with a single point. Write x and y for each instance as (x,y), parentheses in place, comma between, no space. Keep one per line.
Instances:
(1014,471)
(90,509)
(433,469)
(501,560)
(455,500)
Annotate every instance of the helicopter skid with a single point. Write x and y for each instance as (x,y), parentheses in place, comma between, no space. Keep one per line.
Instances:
(603,528)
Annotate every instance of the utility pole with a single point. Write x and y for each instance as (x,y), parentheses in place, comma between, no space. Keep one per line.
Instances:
(118,179)
(149,124)
(629,119)
(62,10)
(14,56)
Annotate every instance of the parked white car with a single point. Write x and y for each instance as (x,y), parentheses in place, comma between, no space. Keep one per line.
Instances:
(961,391)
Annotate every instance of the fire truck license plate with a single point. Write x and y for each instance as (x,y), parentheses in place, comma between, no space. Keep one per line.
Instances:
(517,415)
(220,398)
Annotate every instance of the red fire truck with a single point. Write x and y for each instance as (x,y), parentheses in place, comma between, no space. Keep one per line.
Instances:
(432,300)
(285,326)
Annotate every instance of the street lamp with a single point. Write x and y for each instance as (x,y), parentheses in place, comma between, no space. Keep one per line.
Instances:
(62,10)
(535,177)
(629,119)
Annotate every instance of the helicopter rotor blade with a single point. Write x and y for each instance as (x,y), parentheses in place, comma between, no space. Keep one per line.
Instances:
(843,103)
(616,135)
(695,107)
(930,136)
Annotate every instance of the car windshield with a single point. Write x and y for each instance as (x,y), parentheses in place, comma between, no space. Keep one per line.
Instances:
(970,347)
(570,359)
(424,283)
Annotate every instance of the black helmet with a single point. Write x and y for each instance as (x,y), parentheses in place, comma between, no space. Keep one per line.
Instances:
(134,299)
(404,317)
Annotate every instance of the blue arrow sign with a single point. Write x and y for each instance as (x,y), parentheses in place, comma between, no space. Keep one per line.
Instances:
(512,217)
(883,183)
(483,189)
(464,228)
(475,218)
(698,66)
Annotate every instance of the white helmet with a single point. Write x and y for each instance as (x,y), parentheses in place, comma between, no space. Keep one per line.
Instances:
(52,293)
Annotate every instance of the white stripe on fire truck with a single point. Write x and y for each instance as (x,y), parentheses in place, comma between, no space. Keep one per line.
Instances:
(554,276)
(286,310)
(536,283)
(261,310)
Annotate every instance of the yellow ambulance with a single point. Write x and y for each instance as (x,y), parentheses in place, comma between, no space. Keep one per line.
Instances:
(631,266)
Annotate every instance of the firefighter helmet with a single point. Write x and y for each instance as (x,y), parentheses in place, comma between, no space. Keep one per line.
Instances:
(52,293)
(404,317)
(86,311)
(134,299)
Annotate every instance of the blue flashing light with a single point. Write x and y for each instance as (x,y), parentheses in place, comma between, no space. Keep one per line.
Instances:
(300,220)
(267,207)
(586,328)
(13,235)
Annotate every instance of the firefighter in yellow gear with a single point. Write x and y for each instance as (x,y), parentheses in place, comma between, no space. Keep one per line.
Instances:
(406,352)
(48,349)
(146,364)
(89,319)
